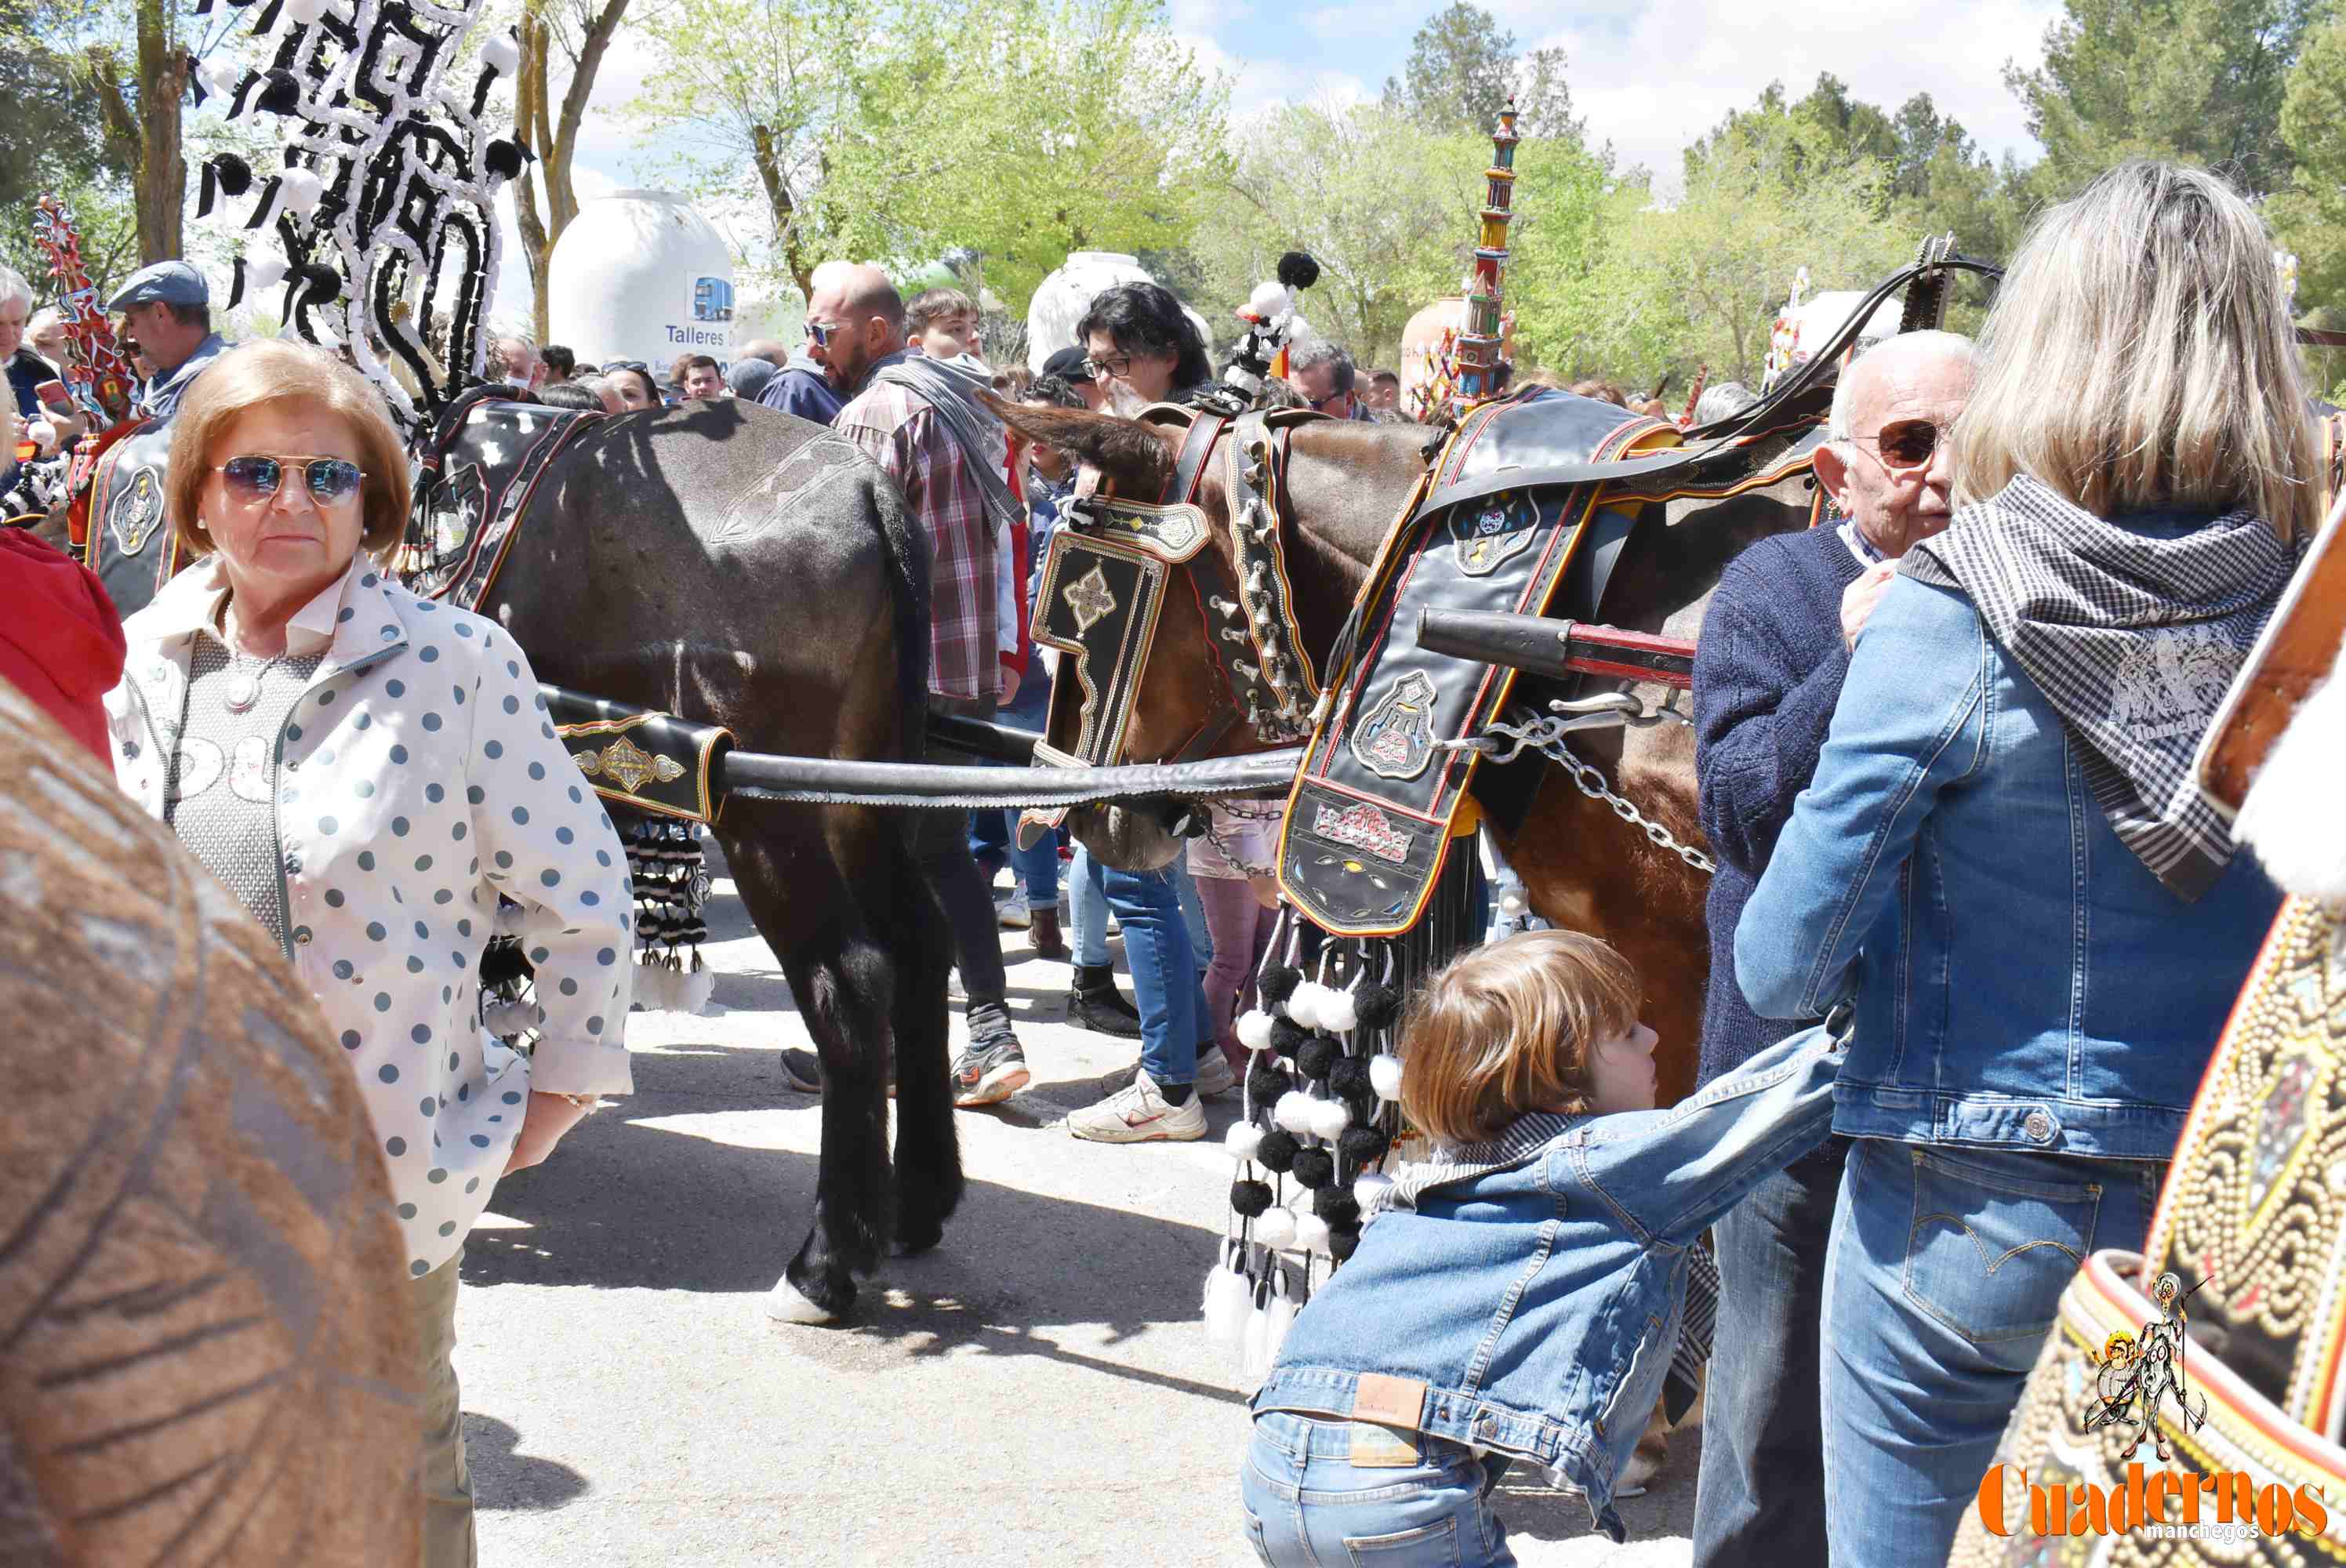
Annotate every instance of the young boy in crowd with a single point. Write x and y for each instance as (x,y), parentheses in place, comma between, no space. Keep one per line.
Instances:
(1519,1296)
(942,323)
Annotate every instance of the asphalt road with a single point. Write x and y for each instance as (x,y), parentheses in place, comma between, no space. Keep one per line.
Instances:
(1038,1389)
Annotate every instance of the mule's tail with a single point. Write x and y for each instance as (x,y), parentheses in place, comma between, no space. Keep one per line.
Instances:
(907,546)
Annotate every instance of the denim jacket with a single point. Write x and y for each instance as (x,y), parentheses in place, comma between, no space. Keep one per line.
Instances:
(2020,979)
(1530,1310)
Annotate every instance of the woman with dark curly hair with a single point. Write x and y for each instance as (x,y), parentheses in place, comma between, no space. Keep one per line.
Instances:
(1143,346)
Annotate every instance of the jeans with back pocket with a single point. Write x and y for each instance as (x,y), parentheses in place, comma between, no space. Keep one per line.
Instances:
(1334,1493)
(1944,1274)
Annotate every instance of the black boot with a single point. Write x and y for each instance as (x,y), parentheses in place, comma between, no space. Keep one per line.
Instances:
(1094,1003)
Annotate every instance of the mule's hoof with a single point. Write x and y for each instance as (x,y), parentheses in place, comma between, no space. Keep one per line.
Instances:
(912,1240)
(786,1303)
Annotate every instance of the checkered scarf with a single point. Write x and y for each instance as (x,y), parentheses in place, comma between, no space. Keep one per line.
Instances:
(2134,640)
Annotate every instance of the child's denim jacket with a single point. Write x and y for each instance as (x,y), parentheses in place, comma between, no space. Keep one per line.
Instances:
(1529,1309)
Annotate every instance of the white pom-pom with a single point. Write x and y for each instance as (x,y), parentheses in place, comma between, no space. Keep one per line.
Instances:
(1275,1227)
(1384,1075)
(1369,1187)
(1328,1119)
(1242,1140)
(1293,1112)
(1304,1005)
(41,434)
(1337,1012)
(1254,1029)
(1228,1297)
(1311,1233)
(264,272)
(501,54)
(1511,903)
(305,13)
(1277,1319)
(299,190)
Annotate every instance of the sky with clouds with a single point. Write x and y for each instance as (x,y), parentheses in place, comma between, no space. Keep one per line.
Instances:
(1649,77)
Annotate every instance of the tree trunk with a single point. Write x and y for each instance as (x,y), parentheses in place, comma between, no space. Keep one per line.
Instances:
(554,141)
(162,179)
(779,202)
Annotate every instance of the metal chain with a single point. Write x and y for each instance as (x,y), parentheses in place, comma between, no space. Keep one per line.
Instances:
(1546,735)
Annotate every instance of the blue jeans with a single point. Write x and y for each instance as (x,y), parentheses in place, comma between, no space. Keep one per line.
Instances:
(1165,985)
(1759,1499)
(1309,1505)
(1193,911)
(1087,910)
(1945,1273)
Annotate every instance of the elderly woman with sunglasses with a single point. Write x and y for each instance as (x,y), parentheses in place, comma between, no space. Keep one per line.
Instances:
(2001,862)
(366,771)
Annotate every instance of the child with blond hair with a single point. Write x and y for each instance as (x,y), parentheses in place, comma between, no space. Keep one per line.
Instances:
(1518,1297)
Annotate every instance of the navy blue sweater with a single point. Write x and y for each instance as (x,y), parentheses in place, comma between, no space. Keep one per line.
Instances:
(1767,670)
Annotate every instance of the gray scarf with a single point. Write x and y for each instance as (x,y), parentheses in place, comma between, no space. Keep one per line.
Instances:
(2133,638)
(953,392)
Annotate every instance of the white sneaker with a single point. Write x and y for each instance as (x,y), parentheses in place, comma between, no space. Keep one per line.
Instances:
(1215,1074)
(1139,1113)
(1010,910)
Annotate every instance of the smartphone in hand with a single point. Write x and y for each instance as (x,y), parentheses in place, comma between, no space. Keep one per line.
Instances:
(52,394)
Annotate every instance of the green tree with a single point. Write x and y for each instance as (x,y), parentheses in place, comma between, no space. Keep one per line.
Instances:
(900,129)
(1463,69)
(564,38)
(2195,79)
(2310,217)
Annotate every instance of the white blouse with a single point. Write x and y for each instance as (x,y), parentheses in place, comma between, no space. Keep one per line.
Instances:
(416,779)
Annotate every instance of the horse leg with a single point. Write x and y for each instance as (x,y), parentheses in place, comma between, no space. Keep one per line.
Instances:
(845,988)
(908,922)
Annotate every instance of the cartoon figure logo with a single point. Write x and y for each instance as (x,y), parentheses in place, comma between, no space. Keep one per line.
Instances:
(1493,532)
(1395,739)
(2136,1375)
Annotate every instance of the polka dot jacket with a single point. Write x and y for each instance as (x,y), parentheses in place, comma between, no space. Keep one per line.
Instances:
(417,778)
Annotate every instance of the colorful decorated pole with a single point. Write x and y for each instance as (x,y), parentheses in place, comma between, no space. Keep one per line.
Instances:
(1477,354)
(95,371)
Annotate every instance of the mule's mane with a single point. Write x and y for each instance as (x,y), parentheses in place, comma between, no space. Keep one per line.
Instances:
(1130,454)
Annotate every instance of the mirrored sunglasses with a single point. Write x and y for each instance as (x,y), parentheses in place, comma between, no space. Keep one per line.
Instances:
(1907,442)
(256,478)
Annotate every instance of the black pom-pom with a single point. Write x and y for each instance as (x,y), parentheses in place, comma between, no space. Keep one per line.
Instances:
(1361,1100)
(1249,1197)
(282,96)
(1267,1081)
(1298,271)
(1376,1006)
(234,174)
(504,159)
(1335,1206)
(1277,1151)
(1349,1077)
(1315,1168)
(1364,1145)
(1316,1056)
(1343,1241)
(1286,1035)
(1278,983)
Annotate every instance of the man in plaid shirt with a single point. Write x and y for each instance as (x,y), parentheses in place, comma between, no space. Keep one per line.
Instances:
(856,319)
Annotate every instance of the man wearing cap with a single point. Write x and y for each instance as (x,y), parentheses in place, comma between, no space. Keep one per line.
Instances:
(167,310)
(1074,367)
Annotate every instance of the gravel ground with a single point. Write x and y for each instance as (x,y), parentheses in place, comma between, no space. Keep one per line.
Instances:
(1038,1389)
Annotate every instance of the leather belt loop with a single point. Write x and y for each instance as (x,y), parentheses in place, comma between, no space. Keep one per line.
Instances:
(1189,468)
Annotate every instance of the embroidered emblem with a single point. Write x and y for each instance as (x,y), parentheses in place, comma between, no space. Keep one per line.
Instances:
(1493,532)
(1174,531)
(1364,828)
(136,514)
(1090,598)
(1395,739)
(627,764)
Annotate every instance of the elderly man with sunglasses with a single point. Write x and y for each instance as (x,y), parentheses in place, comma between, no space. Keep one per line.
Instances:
(1768,672)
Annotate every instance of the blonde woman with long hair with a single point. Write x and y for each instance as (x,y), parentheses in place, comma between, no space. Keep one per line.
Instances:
(2003,860)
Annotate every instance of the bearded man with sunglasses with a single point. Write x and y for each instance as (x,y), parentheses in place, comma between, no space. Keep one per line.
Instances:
(1768,672)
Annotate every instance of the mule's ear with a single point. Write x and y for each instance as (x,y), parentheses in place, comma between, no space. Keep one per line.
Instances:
(1137,458)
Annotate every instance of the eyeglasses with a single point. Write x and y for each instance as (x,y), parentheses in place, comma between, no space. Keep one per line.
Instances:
(255,478)
(1110,365)
(1906,444)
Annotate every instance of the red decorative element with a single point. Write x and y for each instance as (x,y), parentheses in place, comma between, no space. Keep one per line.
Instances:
(1364,828)
(95,371)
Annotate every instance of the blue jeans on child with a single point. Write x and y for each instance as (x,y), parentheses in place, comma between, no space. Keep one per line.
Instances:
(1308,1505)
(1943,1277)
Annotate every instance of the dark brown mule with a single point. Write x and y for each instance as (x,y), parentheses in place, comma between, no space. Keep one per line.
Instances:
(738,567)
(1582,866)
